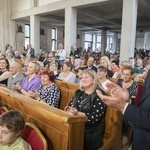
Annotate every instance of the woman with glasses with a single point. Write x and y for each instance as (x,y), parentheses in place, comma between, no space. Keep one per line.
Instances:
(86,102)
(128,82)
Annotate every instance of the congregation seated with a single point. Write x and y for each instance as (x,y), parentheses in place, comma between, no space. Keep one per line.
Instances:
(48,91)
(32,81)
(11,125)
(4,71)
(104,61)
(16,76)
(102,76)
(132,64)
(78,79)
(45,61)
(90,64)
(118,74)
(51,58)
(140,78)
(54,68)
(86,102)
(128,82)
(17,55)
(67,75)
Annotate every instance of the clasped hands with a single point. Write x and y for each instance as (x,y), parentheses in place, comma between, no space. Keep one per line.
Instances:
(116,97)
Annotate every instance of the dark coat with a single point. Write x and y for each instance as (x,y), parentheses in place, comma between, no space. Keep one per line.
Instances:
(139,118)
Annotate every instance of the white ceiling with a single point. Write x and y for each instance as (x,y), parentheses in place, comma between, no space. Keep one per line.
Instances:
(103,16)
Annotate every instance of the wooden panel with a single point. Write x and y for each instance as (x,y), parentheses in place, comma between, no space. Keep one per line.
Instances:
(56,125)
(67,90)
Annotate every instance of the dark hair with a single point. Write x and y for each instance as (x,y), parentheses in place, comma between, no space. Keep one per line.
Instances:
(68,64)
(129,68)
(50,74)
(115,62)
(6,60)
(13,120)
(102,68)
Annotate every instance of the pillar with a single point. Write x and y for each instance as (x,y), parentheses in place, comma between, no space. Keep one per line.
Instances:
(70,28)
(128,32)
(35,33)
(103,42)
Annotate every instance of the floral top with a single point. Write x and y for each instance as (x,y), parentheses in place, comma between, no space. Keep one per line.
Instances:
(50,95)
(97,111)
(132,89)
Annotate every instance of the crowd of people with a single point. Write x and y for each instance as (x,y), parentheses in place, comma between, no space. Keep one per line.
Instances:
(90,70)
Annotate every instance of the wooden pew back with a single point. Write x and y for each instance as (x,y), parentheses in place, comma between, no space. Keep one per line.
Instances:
(62,131)
(67,90)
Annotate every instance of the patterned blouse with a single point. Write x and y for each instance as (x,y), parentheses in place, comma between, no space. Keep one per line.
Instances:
(97,112)
(50,95)
(132,89)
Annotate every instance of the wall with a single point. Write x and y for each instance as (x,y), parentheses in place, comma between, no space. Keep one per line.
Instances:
(19,5)
(139,43)
(43,2)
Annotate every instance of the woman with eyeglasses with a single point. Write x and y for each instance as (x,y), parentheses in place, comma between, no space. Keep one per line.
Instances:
(32,81)
(48,91)
(86,102)
(128,82)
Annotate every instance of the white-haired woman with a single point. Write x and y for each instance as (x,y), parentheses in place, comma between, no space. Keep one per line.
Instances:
(86,102)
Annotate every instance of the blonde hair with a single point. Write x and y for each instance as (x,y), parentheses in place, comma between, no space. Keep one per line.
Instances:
(105,58)
(93,74)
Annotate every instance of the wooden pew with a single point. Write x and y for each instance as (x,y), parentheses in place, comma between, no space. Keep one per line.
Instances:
(67,90)
(112,136)
(62,130)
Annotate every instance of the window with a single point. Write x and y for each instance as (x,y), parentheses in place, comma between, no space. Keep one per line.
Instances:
(98,42)
(54,39)
(88,41)
(27,34)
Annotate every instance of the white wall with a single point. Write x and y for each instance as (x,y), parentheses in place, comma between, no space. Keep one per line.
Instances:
(43,2)
(139,43)
(19,5)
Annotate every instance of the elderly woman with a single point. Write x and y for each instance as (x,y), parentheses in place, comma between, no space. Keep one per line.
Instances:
(128,82)
(67,75)
(32,81)
(48,91)
(4,71)
(86,102)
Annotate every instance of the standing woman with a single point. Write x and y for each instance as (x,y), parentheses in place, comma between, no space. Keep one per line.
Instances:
(48,91)
(75,51)
(86,102)
(4,71)
(32,81)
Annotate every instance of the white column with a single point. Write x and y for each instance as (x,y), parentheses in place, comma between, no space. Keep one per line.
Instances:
(70,28)
(147,41)
(115,42)
(35,33)
(49,39)
(4,24)
(128,32)
(103,42)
